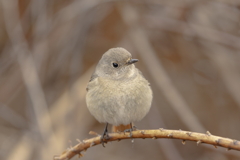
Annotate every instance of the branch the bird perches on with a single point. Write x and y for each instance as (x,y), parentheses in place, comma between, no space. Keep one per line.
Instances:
(207,138)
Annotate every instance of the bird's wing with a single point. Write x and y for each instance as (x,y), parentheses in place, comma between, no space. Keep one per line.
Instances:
(94,76)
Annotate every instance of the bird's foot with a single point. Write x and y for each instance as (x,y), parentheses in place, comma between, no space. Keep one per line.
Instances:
(133,128)
(103,138)
(105,135)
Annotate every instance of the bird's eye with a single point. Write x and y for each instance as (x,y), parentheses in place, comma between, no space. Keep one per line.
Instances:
(115,65)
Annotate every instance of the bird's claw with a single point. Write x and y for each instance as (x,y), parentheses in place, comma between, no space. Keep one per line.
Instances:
(133,128)
(105,136)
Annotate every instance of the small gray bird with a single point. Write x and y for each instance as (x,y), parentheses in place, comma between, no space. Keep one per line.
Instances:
(117,92)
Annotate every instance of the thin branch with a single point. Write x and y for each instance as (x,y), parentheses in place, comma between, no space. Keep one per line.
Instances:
(193,30)
(23,54)
(27,66)
(199,138)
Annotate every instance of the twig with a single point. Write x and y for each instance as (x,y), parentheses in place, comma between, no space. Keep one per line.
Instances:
(193,30)
(199,138)
(24,56)
(27,66)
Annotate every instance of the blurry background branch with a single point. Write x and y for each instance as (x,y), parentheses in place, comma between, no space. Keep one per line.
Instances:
(188,50)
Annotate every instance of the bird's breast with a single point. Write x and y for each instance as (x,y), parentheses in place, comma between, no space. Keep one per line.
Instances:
(118,101)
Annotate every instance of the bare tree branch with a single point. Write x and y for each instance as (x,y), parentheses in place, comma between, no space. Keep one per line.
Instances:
(207,138)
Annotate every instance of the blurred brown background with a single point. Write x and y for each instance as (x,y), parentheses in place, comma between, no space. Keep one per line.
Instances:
(188,50)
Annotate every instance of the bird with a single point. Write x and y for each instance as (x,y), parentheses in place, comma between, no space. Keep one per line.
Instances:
(117,92)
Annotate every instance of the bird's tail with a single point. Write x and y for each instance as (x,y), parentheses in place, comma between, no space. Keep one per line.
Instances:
(121,127)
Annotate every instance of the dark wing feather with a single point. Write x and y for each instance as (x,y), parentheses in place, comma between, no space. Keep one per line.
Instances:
(94,76)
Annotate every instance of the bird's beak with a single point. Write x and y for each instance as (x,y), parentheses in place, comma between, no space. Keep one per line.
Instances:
(131,61)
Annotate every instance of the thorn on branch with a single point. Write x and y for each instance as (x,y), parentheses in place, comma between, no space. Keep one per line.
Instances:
(235,142)
(80,155)
(217,141)
(189,134)
(93,133)
(161,129)
(154,137)
(170,135)
(208,133)
(199,142)
(183,142)
(92,144)
(78,140)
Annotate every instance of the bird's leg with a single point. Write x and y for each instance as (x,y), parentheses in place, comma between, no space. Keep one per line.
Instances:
(133,128)
(104,135)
